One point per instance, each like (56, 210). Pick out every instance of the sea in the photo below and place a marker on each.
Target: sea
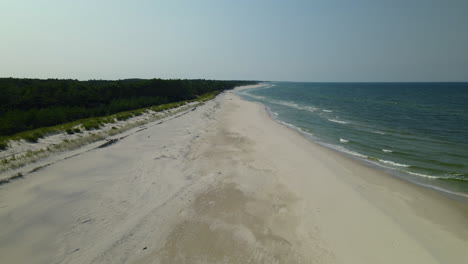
(415, 131)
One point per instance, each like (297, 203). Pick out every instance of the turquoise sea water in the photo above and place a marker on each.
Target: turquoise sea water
(417, 131)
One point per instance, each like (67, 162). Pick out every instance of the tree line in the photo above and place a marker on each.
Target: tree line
(27, 104)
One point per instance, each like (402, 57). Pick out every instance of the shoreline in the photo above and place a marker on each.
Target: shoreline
(454, 195)
(458, 196)
(379, 179)
(224, 183)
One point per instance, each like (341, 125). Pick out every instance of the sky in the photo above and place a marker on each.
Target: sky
(276, 40)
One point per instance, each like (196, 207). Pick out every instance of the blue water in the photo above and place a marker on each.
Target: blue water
(417, 131)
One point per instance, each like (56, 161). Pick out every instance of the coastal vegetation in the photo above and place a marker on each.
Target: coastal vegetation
(90, 130)
(32, 108)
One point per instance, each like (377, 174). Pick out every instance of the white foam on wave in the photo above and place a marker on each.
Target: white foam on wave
(328, 111)
(394, 163)
(285, 103)
(305, 132)
(387, 150)
(295, 128)
(281, 102)
(287, 124)
(344, 150)
(294, 105)
(343, 140)
(255, 96)
(367, 158)
(310, 108)
(424, 175)
(276, 114)
(378, 132)
(354, 153)
(337, 121)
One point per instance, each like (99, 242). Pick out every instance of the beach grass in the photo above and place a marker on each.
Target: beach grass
(79, 126)
(93, 123)
(3, 145)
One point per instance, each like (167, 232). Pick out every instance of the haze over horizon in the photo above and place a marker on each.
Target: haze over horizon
(323, 41)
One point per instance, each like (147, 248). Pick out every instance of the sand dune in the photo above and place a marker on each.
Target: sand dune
(224, 184)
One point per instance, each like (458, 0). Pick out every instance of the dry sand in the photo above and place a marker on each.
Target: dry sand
(224, 184)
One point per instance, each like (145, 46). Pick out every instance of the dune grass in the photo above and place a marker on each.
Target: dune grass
(93, 123)
(3, 145)
(79, 126)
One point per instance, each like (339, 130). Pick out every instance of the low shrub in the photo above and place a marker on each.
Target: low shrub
(33, 137)
(139, 112)
(91, 124)
(124, 116)
(107, 120)
(3, 145)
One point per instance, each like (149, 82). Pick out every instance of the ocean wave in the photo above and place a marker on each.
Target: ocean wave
(344, 150)
(420, 168)
(458, 179)
(453, 165)
(310, 108)
(378, 132)
(305, 132)
(258, 97)
(285, 103)
(328, 111)
(445, 178)
(354, 153)
(337, 121)
(343, 140)
(385, 163)
(425, 175)
(287, 124)
(387, 150)
(394, 163)
(281, 102)
(293, 105)
(295, 128)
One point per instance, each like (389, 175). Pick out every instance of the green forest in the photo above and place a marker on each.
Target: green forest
(27, 104)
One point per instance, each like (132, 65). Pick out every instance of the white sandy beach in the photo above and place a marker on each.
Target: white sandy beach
(224, 184)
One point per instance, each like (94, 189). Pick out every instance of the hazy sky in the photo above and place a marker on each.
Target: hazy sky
(374, 40)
